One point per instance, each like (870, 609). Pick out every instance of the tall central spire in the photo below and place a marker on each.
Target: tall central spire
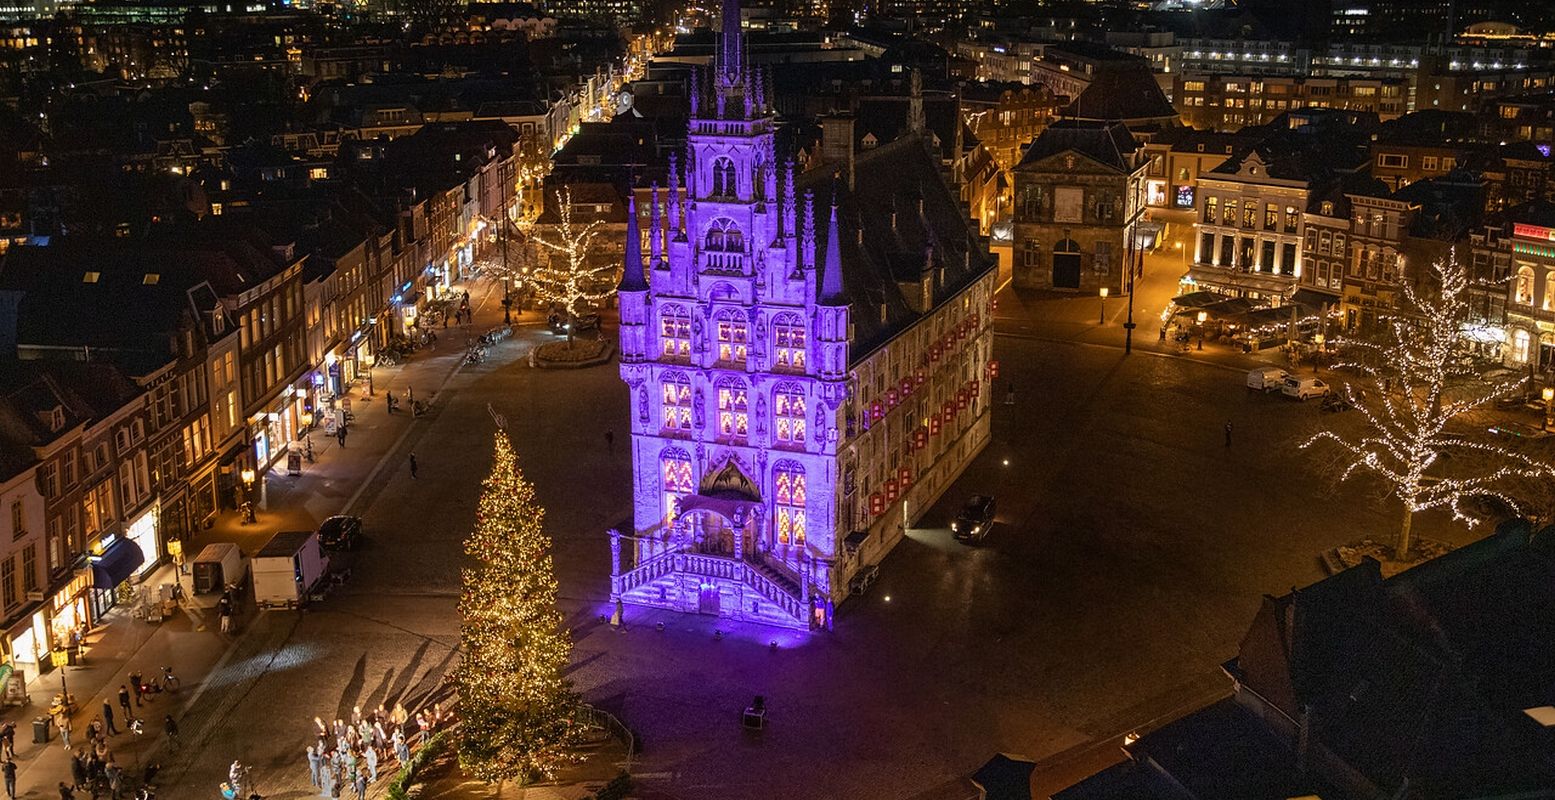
(731, 47)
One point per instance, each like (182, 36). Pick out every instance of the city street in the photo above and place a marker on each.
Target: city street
(1131, 550)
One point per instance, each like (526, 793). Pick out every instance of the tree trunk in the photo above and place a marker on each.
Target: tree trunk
(572, 322)
(1405, 543)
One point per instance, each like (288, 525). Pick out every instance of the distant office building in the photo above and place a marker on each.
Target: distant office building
(1231, 102)
(620, 12)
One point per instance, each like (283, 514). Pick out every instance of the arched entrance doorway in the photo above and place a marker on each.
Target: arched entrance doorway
(1066, 265)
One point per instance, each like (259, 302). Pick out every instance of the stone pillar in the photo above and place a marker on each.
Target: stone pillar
(739, 539)
(615, 562)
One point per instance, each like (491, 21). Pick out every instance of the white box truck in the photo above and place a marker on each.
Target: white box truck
(217, 566)
(287, 568)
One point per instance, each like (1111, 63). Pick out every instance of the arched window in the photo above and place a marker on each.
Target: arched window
(788, 332)
(675, 332)
(675, 480)
(733, 409)
(788, 481)
(1549, 291)
(1522, 346)
(788, 414)
(733, 339)
(1389, 265)
(1525, 285)
(723, 236)
(677, 402)
(724, 178)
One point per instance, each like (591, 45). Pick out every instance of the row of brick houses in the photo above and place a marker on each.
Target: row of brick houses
(120, 433)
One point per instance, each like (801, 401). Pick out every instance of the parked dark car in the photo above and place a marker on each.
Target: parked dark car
(340, 532)
(558, 323)
(975, 519)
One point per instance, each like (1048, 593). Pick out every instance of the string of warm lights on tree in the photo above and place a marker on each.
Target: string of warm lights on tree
(1421, 376)
(517, 709)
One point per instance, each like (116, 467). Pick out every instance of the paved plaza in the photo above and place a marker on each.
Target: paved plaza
(1131, 549)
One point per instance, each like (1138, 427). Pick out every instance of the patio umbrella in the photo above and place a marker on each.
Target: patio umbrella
(1005, 777)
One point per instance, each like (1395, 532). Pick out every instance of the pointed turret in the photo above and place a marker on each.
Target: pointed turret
(655, 232)
(731, 55)
(831, 267)
(632, 271)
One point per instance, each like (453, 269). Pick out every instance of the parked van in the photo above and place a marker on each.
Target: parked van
(1266, 379)
(288, 568)
(217, 565)
(1303, 388)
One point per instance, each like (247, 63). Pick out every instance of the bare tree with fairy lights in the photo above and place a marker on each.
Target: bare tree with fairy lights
(1420, 377)
(576, 284)
(517, 708)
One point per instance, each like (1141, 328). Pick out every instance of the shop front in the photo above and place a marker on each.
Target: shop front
(63, 619)
(119, 559)
(28, 643)
(272, 431)
(143, 530)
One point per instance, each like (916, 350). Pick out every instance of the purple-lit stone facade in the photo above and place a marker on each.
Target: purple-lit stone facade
(749, 476)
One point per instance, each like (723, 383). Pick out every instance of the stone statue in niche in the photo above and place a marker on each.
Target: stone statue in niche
(642, 404)
(696, 334)
(761, 415)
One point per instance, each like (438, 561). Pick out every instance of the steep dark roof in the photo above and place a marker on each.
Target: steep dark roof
(1422, 679)
(1108, 143)
(894, 177)
(1125, 91)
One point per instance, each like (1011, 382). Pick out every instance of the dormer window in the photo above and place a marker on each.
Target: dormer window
(1328, 208)
(91, 277)
(150, 279)
(53, 419)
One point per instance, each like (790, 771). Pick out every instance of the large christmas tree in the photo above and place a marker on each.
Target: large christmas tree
(516, 707)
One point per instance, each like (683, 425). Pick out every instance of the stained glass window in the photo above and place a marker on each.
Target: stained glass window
(790, 333)
(675, 332)
(675, 477)
(788, 412)
(733, 421)
(790, 496)
(677, 403)
(732, 341)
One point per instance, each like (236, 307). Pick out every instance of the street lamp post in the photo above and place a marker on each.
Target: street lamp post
(248, 494)
(1202, 317)
(368, 360)
(1103, 319)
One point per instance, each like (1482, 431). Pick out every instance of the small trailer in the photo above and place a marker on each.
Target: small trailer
(287, 569)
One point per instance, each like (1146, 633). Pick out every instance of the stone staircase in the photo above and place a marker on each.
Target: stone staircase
(656, 583)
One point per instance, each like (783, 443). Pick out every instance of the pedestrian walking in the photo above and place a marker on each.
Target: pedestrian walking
(113, 730)
(226, 622)
(171, 727)
(115, 776)
(136, 686)
(65, 793)
(1228, 434)
(389, 401)
(412, 465)
(340, 435)
(62, 721)
(327, 781)
(313, 767)
(9, 770)
(401, 750)
(372, 763)
(360, 784)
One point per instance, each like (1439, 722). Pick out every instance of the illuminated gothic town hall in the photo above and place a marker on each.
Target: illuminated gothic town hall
(808, 352)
